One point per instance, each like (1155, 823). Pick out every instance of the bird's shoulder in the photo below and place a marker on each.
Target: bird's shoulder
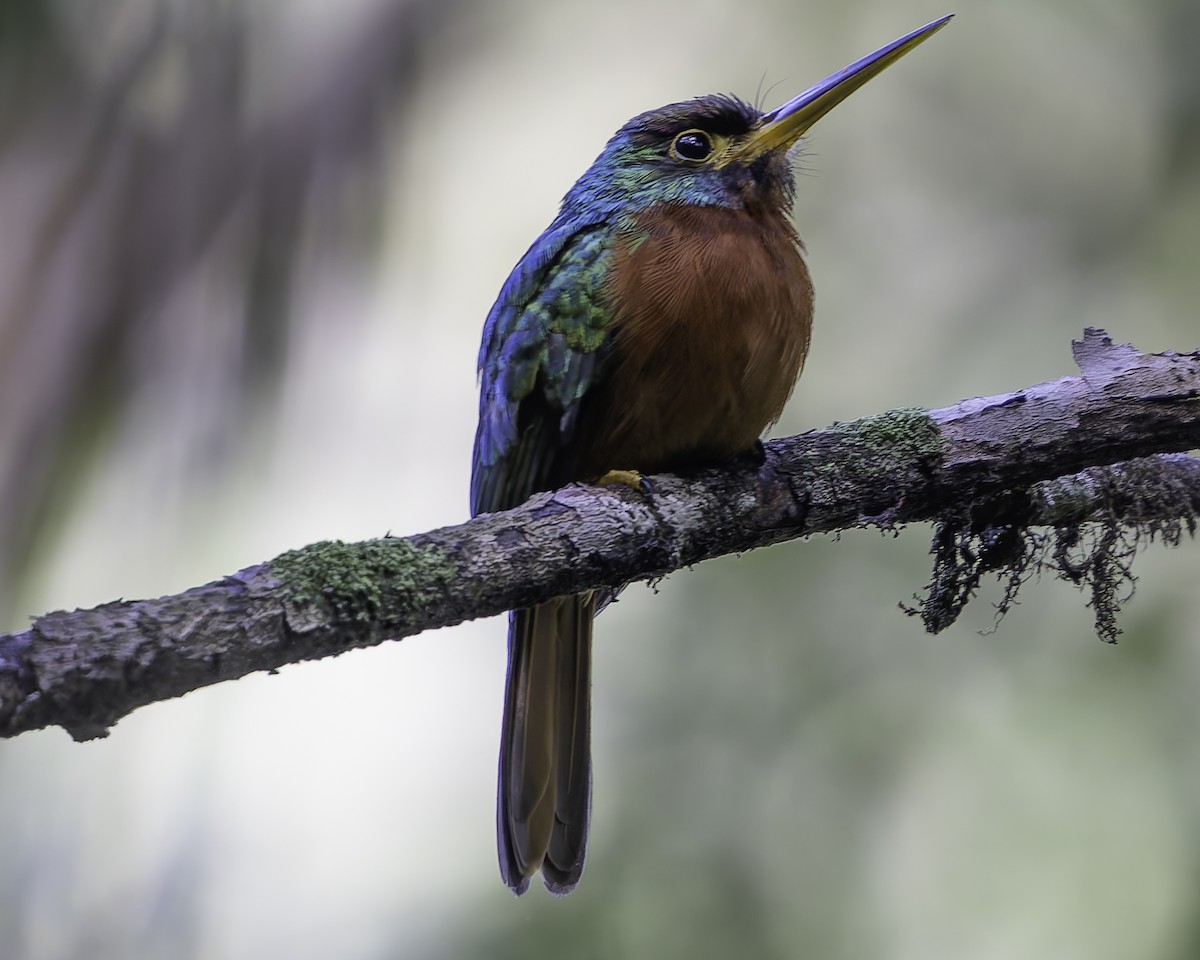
(557, 286)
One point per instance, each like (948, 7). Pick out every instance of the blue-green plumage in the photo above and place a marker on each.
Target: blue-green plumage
(540, 354)
(660, 321)
(544, 339)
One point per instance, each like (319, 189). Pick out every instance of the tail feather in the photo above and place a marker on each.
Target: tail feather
(544, 797)
(572, 809)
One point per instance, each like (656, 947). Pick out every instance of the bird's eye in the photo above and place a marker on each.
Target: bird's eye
(693, 145)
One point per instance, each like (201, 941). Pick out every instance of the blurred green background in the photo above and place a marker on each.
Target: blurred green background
(245, 252)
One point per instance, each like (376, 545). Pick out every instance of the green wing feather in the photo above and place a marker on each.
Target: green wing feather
(543, 350)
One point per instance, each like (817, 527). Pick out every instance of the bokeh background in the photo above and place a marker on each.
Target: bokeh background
(245, 252)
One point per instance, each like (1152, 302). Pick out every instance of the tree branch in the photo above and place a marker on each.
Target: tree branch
(986, 470)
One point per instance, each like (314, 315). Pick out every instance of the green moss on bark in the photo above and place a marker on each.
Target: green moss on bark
(360, 581)
(894, 438)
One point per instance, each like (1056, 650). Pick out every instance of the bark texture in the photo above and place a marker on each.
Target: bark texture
(1075, 453)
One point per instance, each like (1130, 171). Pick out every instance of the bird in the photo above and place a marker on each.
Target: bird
(658, 324)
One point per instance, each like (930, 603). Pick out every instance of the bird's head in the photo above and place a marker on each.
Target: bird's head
(719, 150)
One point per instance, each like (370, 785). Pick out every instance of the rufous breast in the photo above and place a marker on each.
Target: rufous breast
(712, 313)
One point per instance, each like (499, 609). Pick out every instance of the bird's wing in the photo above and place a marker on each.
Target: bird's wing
(543, 349)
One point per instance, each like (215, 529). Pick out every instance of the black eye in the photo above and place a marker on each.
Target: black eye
(692, 145)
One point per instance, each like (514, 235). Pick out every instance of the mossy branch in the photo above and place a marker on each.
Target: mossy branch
(1074, 454)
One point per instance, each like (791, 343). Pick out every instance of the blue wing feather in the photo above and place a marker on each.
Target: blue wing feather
(542, 351)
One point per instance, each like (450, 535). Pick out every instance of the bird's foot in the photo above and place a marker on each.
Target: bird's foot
(626, 478)
(756, 456)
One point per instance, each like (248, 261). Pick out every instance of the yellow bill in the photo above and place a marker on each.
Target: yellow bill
(785, 125)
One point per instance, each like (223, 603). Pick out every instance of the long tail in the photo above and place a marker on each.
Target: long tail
(545, 792)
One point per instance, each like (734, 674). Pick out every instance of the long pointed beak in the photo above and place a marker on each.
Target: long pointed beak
(785, 125)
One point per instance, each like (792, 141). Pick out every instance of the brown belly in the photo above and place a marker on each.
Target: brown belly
(712, 316)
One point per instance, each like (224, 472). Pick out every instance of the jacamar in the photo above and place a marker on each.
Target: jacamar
(659, 323)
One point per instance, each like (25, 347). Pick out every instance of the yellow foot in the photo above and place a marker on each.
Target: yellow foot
(627, 478)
